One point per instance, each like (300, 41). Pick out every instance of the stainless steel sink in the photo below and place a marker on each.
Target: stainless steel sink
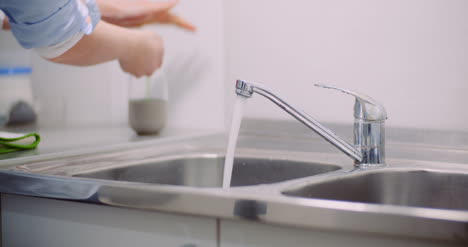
(422, 193)
(414, 188)
(206, 170)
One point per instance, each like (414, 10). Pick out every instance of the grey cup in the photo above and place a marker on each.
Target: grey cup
(147, 116)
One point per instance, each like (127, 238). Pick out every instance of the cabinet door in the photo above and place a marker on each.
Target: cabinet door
(250, 234)
(28, 221)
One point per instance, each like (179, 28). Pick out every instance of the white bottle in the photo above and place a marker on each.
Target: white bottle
(16, 97)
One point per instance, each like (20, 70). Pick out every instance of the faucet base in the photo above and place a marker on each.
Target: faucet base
(369, 166)
(369, 139)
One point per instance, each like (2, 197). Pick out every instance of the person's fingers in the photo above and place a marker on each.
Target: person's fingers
(135, 21)
(155, 7)
(180, 22)
(150, 12)
(169, 18)
(130, 24)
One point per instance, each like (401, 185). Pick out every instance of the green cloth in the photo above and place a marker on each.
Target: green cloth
(18, 142)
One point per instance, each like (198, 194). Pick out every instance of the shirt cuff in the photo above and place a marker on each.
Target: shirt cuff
(56, 50)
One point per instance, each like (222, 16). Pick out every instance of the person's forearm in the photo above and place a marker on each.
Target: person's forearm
(106, 43)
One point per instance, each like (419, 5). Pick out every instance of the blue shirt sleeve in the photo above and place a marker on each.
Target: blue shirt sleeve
(42, 23)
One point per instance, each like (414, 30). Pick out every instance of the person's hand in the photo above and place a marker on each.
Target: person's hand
(144, 55)
(135, 13)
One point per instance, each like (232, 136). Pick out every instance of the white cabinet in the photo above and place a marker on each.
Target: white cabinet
(251, 234)
(29, 221)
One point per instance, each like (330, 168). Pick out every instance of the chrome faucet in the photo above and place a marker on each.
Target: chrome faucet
(369, 124)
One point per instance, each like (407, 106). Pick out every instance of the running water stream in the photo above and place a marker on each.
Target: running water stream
(233, 134)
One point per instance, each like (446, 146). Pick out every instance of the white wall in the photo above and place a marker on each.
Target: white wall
(410, 55)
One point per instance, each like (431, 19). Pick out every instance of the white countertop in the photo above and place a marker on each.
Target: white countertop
(71, 140)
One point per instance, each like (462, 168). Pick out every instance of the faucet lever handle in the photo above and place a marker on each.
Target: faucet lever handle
(365, 107)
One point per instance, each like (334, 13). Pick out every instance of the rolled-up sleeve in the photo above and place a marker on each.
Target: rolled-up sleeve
(46, 23)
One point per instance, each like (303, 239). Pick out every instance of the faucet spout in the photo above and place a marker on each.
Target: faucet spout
(246, 89)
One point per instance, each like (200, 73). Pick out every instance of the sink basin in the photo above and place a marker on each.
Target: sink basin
(206, 170)
(416, 188)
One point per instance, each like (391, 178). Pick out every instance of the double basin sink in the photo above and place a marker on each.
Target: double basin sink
(404, 186)
(320, 189)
